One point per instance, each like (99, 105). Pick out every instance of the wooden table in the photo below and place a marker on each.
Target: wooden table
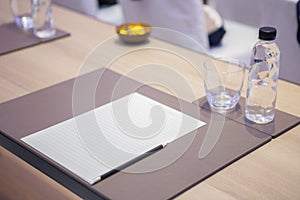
(271, 172)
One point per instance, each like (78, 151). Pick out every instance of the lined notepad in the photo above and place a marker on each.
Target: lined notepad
(94, 143)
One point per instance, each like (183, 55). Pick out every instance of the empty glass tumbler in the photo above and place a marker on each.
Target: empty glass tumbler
(223, 81)
(21, 10)
(43, 18)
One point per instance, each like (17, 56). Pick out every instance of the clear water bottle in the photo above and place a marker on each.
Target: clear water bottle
(263, 78)
(43, 18)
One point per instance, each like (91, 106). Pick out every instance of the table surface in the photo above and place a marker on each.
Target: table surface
(270, 172)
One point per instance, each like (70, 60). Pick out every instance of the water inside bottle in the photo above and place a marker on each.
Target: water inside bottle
(43, 19)
(262, 86)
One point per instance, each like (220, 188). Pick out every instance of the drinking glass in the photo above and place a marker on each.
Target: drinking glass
(43, 19)
(223, 81)
(21, 10)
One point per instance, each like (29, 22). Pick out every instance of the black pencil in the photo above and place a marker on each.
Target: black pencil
(127, 164)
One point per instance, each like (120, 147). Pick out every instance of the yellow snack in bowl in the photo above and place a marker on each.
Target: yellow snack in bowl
(123, 32)
(137, 30)
(133, 32)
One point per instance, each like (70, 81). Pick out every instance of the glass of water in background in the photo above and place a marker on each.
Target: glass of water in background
(21, 10)
(43, 19)
(223, 81)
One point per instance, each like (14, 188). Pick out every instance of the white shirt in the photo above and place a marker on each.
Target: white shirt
(185, 16)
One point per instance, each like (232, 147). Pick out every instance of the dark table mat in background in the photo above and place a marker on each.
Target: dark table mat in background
(282, 122)
(13, 38)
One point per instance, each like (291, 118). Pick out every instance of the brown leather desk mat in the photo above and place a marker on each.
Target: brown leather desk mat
(41, 109)
(282, 122)
(13, 38)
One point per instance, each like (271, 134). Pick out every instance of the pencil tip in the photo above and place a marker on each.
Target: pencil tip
(97, 179)
(164, 145)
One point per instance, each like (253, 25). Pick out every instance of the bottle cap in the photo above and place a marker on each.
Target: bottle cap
(267, 33)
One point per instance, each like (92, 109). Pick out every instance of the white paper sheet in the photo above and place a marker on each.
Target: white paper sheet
(95, 142)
